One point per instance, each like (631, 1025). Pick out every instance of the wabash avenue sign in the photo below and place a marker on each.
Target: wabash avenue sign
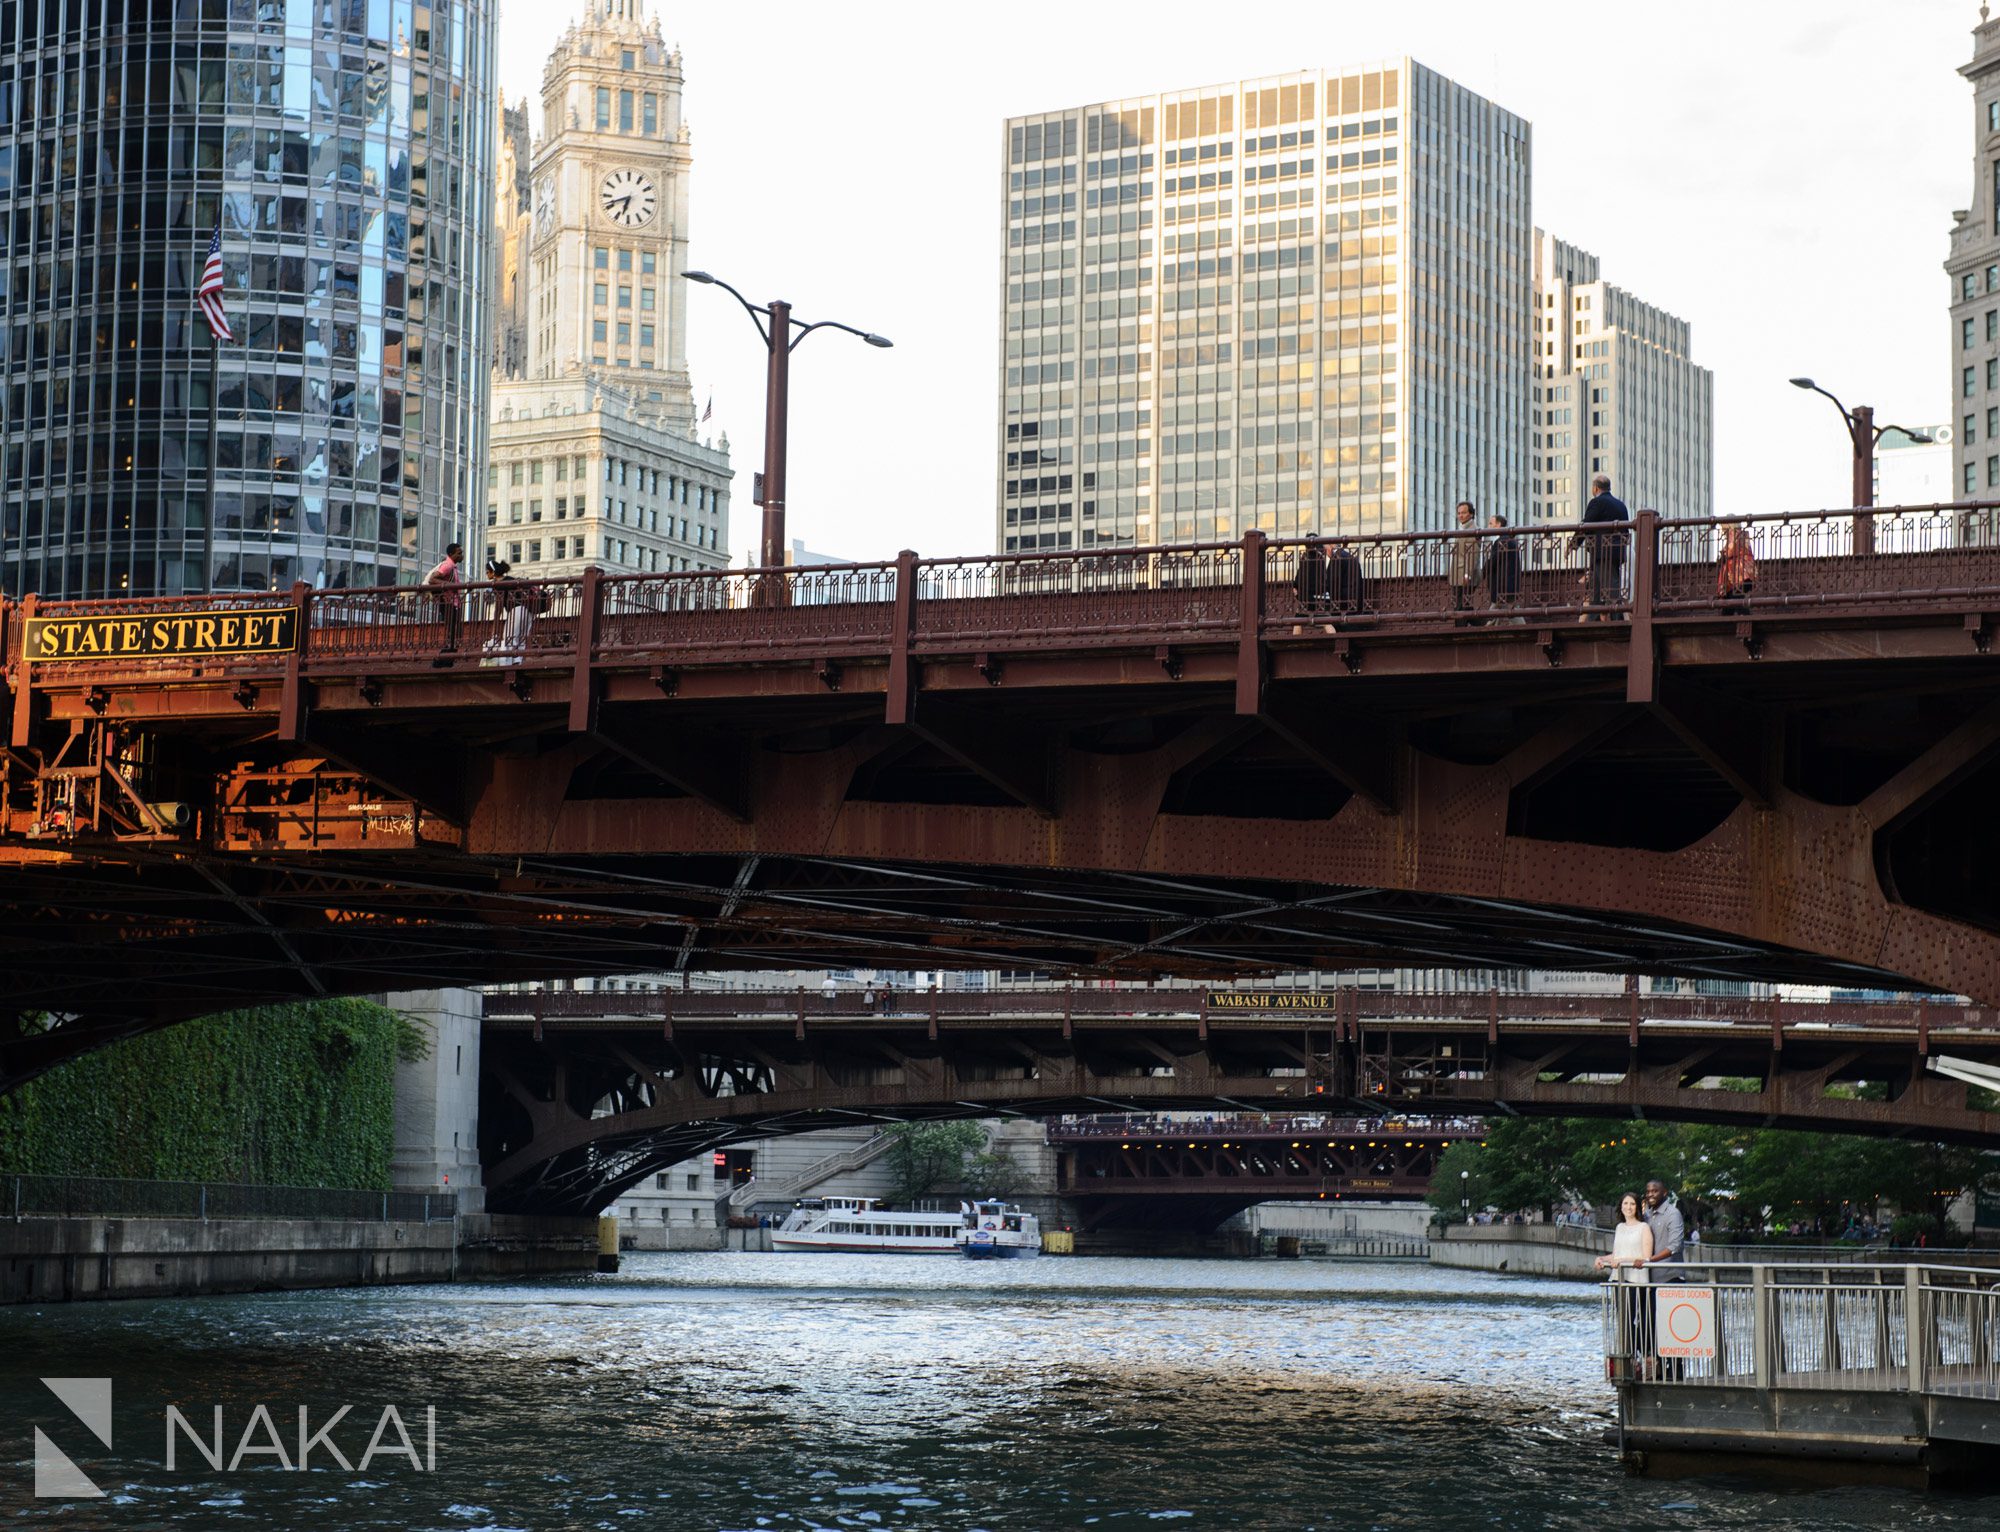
(164, 635)
(1280, 1000)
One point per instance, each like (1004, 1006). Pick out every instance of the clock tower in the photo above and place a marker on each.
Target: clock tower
(610, 210)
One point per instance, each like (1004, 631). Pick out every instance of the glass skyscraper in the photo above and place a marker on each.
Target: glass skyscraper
(1294, 303)
(345, 148)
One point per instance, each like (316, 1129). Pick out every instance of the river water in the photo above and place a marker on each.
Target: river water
(707, 1392)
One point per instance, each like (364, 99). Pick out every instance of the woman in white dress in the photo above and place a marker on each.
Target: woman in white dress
(1631, 1249)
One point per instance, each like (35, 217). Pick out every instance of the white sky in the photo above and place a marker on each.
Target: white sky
(1781, 173)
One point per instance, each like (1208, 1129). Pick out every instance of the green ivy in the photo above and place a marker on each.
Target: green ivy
(287, 1095)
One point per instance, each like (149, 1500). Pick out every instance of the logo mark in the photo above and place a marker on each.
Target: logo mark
(56, 1477)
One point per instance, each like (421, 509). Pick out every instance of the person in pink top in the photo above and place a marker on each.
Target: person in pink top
(445, 580)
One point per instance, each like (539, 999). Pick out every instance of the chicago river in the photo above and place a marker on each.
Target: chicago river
(725, 1391)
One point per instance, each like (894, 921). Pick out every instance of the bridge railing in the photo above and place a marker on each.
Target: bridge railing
(1888, 1328)
(1758, 563)
(32, 1196)
(1426, 581)
(1470, 576)
(1114, 1126)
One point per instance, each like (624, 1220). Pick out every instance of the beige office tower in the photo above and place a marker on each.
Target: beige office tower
(1294, 303)
(597, 454)
(1974, 270)
(1615, 392)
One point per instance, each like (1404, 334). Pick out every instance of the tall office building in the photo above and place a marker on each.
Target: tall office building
(344, 147)
(596, 452)
(1616, 392)
(1294, 303)
(513, 198)
(1974, 269)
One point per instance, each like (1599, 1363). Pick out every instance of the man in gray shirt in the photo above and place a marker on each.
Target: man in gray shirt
(1664, 1219)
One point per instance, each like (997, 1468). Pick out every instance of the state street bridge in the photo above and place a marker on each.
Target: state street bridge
(583, 1094)
(1118, 762)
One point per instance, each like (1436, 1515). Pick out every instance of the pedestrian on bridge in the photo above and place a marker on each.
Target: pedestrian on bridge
(1465, 560)
(1503, 565)
(445, 580)
(1605, 549)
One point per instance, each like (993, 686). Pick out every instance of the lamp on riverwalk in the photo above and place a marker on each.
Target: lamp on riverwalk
(1465, 1193)
(781, 334)
(1862, 434)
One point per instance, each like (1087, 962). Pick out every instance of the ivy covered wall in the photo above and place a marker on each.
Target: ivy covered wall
(287, 1095)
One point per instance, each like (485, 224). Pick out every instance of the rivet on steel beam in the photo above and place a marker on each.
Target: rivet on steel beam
(828, 672)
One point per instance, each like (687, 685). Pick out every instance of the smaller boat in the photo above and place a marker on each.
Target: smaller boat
(996, 1232)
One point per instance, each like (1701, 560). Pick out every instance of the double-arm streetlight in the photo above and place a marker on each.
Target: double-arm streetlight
(1862, 434)
(781, 335)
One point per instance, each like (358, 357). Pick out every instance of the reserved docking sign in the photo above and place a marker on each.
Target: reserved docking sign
(1271, 1000)
(164, 635)
(1684, 1321)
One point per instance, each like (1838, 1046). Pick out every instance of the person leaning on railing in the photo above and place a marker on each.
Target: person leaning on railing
(1631, 1250)
(1736, 565)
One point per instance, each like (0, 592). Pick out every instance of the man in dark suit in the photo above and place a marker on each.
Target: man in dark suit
(1606, 550)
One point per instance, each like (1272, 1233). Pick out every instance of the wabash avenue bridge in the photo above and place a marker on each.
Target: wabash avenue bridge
(584, 1094)
(1608, 755)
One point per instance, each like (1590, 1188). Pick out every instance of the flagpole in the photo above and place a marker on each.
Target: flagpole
(208, 514)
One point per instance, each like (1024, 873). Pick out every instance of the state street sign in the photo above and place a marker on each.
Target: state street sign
(164, 635)
(1684, 1321)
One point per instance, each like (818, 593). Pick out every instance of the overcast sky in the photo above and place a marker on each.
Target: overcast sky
(1781, 173)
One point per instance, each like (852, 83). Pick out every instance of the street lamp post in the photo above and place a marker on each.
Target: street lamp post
(781, 334)
(1465, 1193)
(1862, 434)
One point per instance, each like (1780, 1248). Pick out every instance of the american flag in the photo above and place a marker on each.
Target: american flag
(709, 411)
(208, 297)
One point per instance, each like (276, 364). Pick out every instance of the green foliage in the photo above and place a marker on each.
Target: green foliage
(995, 1174)
(926, 1155)
(288, 1095)
(1720, 1176)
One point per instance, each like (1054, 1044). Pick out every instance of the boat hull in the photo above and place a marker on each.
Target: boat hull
(860, 1246)
(992, 1252)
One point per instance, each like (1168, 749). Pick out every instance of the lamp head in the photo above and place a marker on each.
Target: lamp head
(698, 276)
(1796, 382)
(879, 340)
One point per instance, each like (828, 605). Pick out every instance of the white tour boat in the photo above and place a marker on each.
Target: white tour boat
(862, 1224)
(996, 1232)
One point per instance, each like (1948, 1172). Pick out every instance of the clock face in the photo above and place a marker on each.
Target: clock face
(628, 198)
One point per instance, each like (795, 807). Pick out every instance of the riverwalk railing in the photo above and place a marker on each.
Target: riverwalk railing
(31, 1196)
(1351, 1245)
(1906, 1329)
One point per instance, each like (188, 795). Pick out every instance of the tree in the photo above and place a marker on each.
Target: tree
(926, 1155)
(995, 1173)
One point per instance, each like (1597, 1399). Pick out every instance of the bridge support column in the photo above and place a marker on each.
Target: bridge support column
(437, 1098)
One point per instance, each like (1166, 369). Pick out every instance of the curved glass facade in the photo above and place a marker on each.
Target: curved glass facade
(346, 147)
